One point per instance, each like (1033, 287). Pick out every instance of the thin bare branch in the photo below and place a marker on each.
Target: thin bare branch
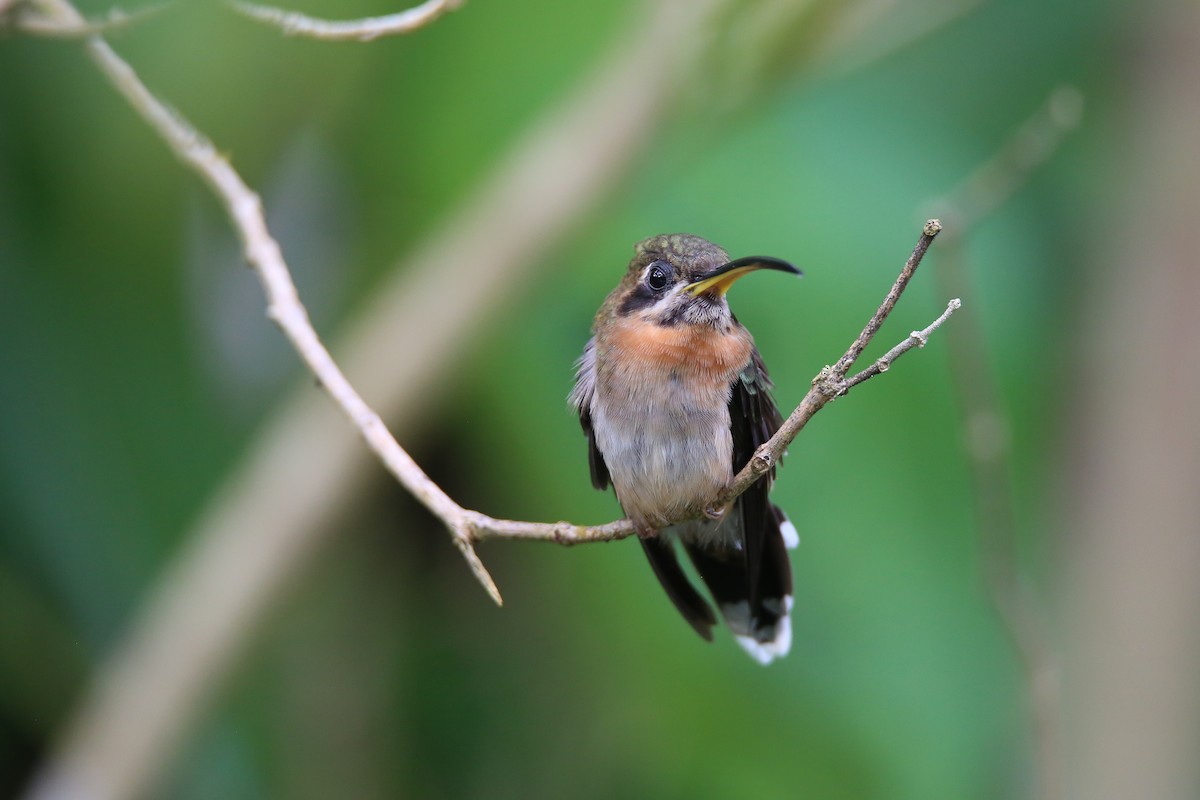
(915, 339)
(284, 308)
(839, 370)
(293, 23)
(831, 381)
(36, 18)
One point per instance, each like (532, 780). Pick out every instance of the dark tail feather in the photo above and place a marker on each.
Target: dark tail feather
(774, 590)
(724, 572)
(754, 596)
(698, 613)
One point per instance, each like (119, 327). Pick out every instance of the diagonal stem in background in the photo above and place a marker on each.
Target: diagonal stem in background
(277, 508)
(986, 426)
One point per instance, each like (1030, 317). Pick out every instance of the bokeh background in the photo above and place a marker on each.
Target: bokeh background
(139, 377)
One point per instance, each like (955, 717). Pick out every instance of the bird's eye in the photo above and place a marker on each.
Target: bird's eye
(656, 278)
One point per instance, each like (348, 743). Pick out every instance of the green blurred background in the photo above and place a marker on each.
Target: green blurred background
(136, 368)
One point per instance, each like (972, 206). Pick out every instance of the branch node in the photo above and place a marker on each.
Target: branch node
(469, 525)
(564, 533)
(829, 382)
(275, 314)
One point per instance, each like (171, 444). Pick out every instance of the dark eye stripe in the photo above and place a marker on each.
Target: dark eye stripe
(657, 278)
(640, 298)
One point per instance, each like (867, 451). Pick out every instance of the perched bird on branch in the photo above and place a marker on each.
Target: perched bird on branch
(674, 399)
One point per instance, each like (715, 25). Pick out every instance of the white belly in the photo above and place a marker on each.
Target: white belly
(659, 402)
(665, 458)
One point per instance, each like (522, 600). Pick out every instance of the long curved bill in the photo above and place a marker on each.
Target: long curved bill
(720, 279)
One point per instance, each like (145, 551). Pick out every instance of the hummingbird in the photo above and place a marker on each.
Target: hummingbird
(674, 399)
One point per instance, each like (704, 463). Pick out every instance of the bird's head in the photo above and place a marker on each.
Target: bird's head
(681, 279)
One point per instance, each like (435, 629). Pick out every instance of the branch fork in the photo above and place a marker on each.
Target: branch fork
(468, 527)
(831, 382)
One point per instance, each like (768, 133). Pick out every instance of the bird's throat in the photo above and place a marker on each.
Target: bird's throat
(689, 352)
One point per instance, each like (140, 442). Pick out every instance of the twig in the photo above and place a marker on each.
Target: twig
(831, 381)
(361, 30)
(986, 425)
(915, 339)
(932, 228)
(284, 308)
(36, 18)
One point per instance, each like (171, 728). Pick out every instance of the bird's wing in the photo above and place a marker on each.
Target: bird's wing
(753, 417)
(581, 399)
